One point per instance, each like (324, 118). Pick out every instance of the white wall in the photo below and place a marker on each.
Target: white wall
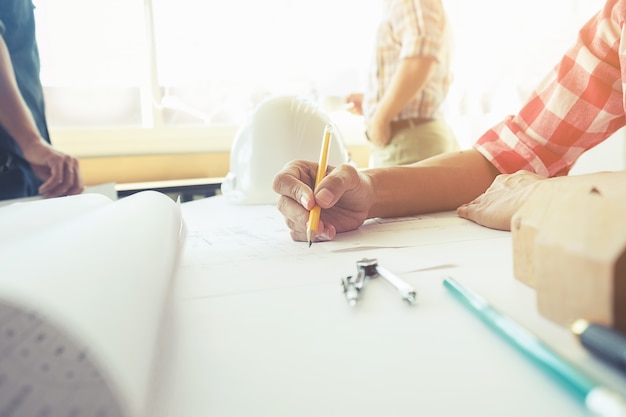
(610, 155)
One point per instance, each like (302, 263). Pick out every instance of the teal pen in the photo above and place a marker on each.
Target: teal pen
(597, 398)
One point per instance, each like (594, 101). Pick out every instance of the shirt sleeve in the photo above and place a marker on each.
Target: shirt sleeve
(577, 106)
(420, 26)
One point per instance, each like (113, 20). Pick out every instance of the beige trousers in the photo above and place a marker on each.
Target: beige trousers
(414, 143)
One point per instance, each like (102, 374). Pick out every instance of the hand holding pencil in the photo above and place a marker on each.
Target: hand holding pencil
(314, 214)
(346, 195)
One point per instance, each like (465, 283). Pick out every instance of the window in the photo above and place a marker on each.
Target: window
(176, 75)
(503, 50)
(93, 61)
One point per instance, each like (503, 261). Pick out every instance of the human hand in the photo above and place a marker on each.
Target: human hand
(496, 206)
(59, 172)
(345, 196)
(356, 103)
(378, 132)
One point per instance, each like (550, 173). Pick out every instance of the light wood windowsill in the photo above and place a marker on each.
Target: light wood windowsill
(142, 168)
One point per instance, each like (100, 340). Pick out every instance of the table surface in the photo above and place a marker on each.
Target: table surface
(260, 325)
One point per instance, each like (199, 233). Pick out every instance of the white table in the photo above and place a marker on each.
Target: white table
(261, 327)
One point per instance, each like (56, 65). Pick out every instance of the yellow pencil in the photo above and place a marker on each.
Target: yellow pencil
(314, 214)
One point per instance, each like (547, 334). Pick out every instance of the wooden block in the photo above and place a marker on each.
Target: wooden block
(525, 224)
(545, 203)
(579, 260)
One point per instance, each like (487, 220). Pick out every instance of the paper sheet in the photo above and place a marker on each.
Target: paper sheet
(265, 330)
(257, 235)
(106, 189)
(90, 284)
(430, 229)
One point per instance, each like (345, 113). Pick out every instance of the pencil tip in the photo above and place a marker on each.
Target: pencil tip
(310, 242)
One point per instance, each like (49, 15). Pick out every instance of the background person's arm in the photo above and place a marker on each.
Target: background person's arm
(15, 116)
(59, 172)
(410, 77)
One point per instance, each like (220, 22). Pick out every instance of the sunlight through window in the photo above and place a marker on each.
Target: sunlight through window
(206, 63)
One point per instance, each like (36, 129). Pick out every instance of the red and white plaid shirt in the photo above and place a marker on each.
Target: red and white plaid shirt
(578, 105)
(408, 29)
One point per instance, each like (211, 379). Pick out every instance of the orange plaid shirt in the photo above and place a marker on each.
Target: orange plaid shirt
(578, 105)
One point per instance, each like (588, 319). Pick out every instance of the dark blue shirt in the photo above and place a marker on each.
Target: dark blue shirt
(17, 28)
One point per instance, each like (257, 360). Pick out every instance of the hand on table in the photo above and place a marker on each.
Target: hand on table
(496, 206)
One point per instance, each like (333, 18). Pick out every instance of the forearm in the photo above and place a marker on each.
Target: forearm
(15, 116)
(440, 183)
(410, 77)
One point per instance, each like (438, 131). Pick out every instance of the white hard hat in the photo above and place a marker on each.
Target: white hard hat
(279, 130)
